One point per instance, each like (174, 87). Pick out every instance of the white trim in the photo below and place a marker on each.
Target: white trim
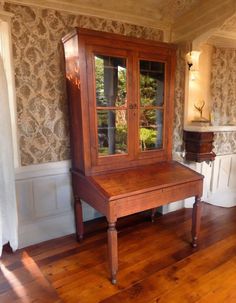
(210, 128)
(195, 22)
(6, 16)
(225, 34)
(7, 56)
(42, 170)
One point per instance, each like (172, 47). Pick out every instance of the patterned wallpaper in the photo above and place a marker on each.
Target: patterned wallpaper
(223, 85)
(40, 85)
(225, 143)
(179, 100)
(223, 90)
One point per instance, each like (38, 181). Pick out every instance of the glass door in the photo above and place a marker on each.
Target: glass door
(109, 79)
(111, 105)
(151, 105)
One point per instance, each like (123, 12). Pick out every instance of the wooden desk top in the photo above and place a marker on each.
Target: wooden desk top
(143, 179)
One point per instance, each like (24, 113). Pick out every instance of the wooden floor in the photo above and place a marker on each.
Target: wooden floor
(156, 263)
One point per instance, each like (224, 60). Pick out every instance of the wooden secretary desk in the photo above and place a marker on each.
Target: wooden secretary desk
(120, 94)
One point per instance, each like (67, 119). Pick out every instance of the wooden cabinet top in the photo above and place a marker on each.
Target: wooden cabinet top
(123, 41)
(120, 93)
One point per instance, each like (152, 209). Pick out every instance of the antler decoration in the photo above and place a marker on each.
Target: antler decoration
(200, 108)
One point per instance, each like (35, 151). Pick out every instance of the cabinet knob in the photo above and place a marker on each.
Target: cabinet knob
(133, 106)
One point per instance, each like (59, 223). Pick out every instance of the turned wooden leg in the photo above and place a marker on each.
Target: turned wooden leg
(112, 250)
(7, 248)
(153, 214)
(196, 220)
(78, 219)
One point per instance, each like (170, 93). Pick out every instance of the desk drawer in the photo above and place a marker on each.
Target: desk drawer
(136, 203)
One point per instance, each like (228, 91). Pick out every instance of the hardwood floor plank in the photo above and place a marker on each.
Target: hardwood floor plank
(156, 263)
(177, 275)
(26, 283)
(194, 289)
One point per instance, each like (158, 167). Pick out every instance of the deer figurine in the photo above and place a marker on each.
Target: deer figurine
(200, 109)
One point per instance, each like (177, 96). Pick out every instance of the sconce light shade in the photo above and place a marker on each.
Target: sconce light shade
(192, 59)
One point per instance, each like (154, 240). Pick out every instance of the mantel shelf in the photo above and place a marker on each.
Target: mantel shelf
(210, 128)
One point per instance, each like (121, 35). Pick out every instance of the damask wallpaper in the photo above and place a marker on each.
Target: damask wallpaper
(179, 100)
(223, 85)
(223, 91)
(40, 85)
(225, 143)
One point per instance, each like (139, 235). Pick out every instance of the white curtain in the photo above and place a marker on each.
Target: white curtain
(8, 206)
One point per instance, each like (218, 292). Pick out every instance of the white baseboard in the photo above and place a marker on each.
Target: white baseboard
(45, 229)
(172, 207)
(226, 198)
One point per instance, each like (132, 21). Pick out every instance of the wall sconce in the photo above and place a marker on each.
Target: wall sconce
(189, 60)
(192, 59)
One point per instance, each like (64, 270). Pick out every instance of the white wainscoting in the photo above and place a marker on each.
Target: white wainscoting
(45, 207)
(223, 182)
(219, 183)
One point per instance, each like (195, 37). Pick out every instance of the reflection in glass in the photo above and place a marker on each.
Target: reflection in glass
(152, 75)
(112, 132)
(110, 81)
(150, 131)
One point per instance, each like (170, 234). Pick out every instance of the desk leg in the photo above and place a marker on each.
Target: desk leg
(196, 220)
(112, 250)
(78, 219)
(153, 214)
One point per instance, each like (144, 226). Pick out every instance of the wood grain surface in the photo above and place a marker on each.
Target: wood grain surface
(157, 264)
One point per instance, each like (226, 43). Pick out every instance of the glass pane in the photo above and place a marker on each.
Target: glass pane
(110, 81)
(152, 76)
(112, 132)
(150, 131)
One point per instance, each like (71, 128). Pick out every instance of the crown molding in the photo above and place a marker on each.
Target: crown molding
(91, 10)
(5, 16)
(223, 41)
(226, 34)
(209, 14)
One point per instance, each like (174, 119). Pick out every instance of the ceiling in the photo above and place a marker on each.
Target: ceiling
(172, 9)
(166, 10)
(154, 13)
(181, 20)
(225, 36)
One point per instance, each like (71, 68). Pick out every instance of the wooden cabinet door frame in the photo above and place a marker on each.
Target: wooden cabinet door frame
(111, 160)
(161, 153)
(133, 50)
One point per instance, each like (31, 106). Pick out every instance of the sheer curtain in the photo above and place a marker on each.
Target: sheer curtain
(8, 206)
